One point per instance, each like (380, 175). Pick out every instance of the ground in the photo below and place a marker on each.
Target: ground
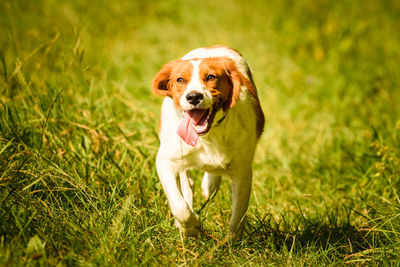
(78, 132)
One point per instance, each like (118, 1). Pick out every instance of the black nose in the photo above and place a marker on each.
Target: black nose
(194, 98)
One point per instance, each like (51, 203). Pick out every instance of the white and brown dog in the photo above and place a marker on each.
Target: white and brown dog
(210, 120)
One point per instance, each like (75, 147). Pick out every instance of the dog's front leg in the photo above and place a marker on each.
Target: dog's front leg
(186, 220)
(187, 187)
(241, 188)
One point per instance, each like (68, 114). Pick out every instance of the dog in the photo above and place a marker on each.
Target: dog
(211, 120)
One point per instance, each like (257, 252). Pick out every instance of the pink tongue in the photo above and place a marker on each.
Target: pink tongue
(186, 128)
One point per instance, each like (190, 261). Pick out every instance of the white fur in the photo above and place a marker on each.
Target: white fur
(227, 149)
(196, 86)
(219, 51)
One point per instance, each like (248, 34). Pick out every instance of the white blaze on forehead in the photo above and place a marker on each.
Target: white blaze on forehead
(210, 52)
(195, 83)
(200, 53)
(196, 86)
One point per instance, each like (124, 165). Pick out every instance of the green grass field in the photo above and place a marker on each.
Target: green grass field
(78, 132)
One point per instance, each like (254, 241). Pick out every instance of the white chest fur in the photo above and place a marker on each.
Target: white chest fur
(221, 151)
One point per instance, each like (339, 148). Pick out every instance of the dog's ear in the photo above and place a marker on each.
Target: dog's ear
(235, 81)
(160, 84)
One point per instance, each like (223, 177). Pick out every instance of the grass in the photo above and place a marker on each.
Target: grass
(78, 132)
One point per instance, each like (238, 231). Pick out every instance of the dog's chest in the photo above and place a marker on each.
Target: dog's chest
(210, 157)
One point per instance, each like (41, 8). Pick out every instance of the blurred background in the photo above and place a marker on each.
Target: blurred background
(78, 130)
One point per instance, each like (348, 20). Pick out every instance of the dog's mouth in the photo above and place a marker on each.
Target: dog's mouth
(196, 122)
(206, 116)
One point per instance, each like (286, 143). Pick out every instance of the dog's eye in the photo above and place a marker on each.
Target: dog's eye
(180, 80)
(210, 77)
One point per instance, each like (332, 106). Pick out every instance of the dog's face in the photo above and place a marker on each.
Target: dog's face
(200, 87)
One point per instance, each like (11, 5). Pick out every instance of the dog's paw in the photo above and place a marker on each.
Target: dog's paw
(190, 232)
(190, 228)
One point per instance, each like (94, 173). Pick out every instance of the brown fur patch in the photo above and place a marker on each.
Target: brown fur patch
(228, 85)
(165, 83)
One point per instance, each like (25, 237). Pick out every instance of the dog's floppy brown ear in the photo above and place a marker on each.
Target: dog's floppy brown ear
(160, 83)
(235, 81)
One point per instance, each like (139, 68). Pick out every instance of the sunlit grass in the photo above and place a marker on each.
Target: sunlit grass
(78, 132)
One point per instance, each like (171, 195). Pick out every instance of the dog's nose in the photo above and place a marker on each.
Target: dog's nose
(194, 98)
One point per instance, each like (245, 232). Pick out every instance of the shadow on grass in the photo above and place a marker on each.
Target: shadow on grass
(336, 241)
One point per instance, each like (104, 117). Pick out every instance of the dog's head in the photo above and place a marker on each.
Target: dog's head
(200, 88)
